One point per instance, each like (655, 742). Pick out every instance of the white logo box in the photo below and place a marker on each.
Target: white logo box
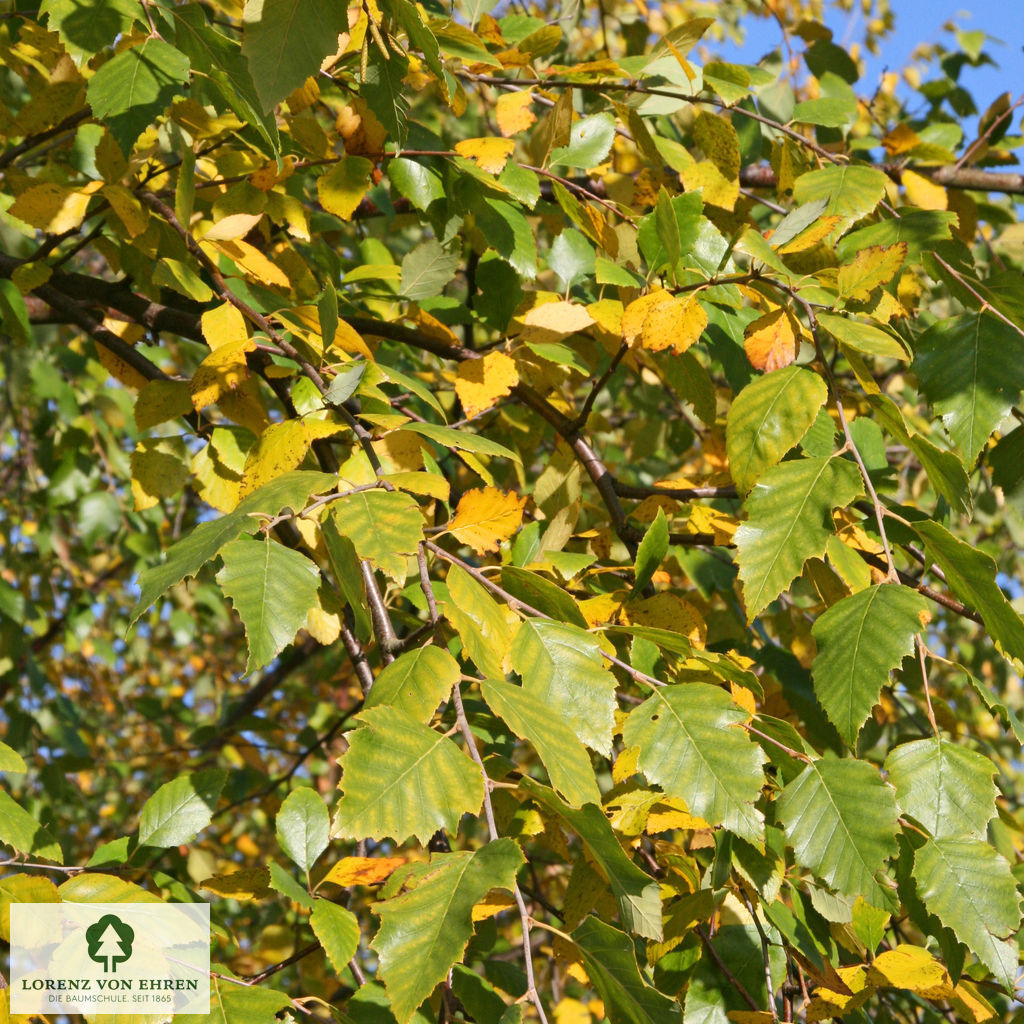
(110, 958)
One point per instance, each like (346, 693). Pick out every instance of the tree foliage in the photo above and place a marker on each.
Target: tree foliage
(515, 510)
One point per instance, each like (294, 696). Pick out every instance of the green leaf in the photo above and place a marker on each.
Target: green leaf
(18, 829)
(401, 778)
(610, 961)
(345, 567)
(303, 826)
(420, 184)
(384, 527)
(213, 54)
(133, 89)
(590, 141)
(789, 520)
(671, 232)
(542, 594)
(462, 440)
(283, 881)
(285, 41)
(692, 744)
(650, 552)
(88, 26)
(338, 932)
(971, 369)
(508, 233)
(862, 337)
(191, 553)
(861, 639)
(179, 810)
(971, 575)
(345, 381)
(944, 786)
(920, 229)
(767, 418)
(840, 818)
(562, 669)
(425, 931)
(235, 1003)
(852, 190)
(829, 111)
(564, 757)
(416, 682)
(11, 760)
(478, 619)
(971, 889)
(944, 469)
(636, 893)
(384, 92)
(272, 588)
(427, 269)
(571, 257)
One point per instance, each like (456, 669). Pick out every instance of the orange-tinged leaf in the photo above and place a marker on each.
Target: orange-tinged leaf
(871, 268)
(362, 870)
(223, 325)
(246, 884)
(913, 968)
(493, 903)
(479, 383)
(490, 154)
(487, 516)
(342, 188)
(676, 324)
(772, 341)
(513, 112)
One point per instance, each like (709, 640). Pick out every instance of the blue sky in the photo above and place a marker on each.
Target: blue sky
(922, 21)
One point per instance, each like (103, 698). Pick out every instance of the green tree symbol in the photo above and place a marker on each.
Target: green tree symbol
(110, 942)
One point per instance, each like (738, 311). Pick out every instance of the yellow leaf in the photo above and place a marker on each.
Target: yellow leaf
(487, 516)
(159, 470)
(901, 139)
(489, 154)
(114, 364)
(742, 697)
(676, 324)
(348, 339)
(221, 372)
(52, 207)
(607, 314)
(647, 510)
(362, 870)
(513, 112)
(553, 321)
(599, 610)
(217, 469)
(132, 214)
(249, 261)
(162, 400)
(707, 178)
(924, 193)
(493, 903)
(246, 884)
(750, 1016)
(235, 225)
(430, 484)
(267, 176)
(479, 383)
(323, 620)
(223, 325)
(971, 1004)
(810, 236)
(400, 451)
(571, 1011)
(280, 449)
(637, 311)
(625, 764)
(31, 275)
(342, 188)
(668, 611)
(721, 525)
(913, 968)
(672, 813)
(871, 268)
(772, 341)
(827, 1003)
(244, 405)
